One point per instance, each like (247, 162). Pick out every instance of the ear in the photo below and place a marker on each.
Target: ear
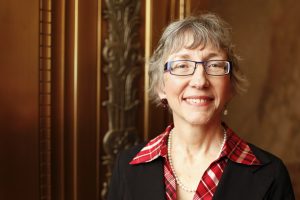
(161, 92)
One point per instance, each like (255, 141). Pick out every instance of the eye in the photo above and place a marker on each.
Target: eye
(215, 65)
(180, 65)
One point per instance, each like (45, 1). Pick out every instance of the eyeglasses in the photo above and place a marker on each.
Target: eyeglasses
(188, 67)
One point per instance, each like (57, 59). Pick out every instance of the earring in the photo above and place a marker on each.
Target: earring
(164, 103)
(225, 112)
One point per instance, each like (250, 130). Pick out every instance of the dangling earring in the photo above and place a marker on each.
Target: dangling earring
(164, 103)
(225, 112)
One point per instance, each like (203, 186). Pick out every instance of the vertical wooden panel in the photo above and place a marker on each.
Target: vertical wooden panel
(19, 108)
(70, 101)
(45, 122)
(87, 104)
(162, 13)
(76, 106)
(58, 99)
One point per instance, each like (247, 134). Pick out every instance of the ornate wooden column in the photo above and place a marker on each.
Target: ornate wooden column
(123, 72)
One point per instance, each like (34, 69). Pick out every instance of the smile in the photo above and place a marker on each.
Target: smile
(198, 101)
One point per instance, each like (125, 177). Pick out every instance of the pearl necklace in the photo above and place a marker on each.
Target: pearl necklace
(178, 181)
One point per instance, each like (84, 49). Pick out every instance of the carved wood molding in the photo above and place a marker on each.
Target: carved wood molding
(122, 56)
(45, 99)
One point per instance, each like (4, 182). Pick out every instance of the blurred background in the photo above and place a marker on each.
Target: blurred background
(73, 85)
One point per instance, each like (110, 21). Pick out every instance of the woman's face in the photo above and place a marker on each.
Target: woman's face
(197, 99)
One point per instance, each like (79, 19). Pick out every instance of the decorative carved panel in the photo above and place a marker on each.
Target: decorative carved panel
(122, 56)
(45, 99)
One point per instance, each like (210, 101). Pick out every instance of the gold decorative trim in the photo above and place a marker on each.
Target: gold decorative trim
(98, 102)
(148, 42)
(122, 56)
(184, 8)
(75, 103)
(188, 8)
(45, 98)
(181, 9)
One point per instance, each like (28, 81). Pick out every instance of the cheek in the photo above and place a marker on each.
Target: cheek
(170, 89)
(173, 86)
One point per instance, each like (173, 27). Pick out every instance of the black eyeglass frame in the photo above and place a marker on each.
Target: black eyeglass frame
(167, 67)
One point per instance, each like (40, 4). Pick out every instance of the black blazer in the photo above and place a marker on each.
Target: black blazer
(239, 182)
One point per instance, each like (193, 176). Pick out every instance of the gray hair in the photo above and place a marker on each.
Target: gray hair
(205, 29)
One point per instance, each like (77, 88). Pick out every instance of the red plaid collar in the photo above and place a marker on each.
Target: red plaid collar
(155, 148)
(235, 149)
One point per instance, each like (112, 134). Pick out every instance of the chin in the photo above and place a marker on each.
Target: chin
(202, 119)
(198, 121)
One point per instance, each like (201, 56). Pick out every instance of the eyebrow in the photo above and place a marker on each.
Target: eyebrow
(182, 56)
(187, 56)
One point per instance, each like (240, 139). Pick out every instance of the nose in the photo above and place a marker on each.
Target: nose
(199, 78)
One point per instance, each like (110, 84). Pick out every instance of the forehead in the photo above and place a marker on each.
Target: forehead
(190, 39)
(199, 53)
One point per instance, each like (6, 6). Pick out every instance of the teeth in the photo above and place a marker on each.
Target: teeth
(196, 100)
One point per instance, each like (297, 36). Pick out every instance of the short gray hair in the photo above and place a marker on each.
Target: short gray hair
(205, 28)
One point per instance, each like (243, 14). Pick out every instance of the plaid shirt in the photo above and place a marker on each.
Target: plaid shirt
(234, 149)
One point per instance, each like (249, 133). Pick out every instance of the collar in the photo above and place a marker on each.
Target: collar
(153, 149)
(235, 149)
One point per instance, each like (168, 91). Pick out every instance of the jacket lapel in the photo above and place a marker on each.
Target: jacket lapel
(239, 181)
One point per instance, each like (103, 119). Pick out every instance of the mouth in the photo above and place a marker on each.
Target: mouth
(199, 101)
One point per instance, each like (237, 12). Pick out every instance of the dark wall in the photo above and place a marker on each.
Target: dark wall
(266, 34)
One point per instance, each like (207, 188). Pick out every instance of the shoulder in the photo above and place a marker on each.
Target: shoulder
(121, 163)
(274, 168)
(125, 156)
(264, 156)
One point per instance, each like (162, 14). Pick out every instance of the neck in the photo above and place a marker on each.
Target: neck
(191, 159)
(198, 139)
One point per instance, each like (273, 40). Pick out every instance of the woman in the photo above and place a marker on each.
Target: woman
(195, 73)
